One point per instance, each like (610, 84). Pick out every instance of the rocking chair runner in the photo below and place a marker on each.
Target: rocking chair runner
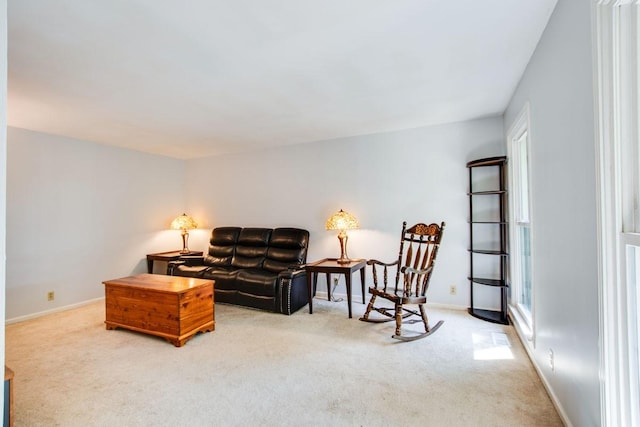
(418, 249)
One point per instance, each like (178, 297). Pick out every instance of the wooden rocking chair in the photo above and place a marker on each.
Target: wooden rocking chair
(418, 249)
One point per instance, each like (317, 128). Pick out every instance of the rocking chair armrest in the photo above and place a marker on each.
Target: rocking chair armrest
(411, 270)
(386, 264)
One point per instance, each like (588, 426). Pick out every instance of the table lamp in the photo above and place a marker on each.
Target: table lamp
(184, 223)
(342, 221)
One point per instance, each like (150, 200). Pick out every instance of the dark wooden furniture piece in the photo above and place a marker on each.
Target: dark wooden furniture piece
(329, 266)
(488, 256)
(8, 397)
(166, 257)
(174, 308)
(418, 251)
(253, 266)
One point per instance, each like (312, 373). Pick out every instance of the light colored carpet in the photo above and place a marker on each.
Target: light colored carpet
(268, 369)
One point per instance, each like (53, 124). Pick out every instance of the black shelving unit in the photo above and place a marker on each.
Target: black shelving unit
(496, 228)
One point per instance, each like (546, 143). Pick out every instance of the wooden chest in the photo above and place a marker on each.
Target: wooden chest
(174, 308)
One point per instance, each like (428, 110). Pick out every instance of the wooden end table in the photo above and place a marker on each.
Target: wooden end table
(174, 308)
(331, 265)
(167, 256)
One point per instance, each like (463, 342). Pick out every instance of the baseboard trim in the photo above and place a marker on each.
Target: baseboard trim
(525, 339)
(54, 310)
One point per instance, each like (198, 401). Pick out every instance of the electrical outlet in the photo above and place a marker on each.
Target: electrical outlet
(453, 290)
(552, 364)
(50, 296)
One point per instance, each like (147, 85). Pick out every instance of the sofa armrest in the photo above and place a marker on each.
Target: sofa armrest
(172, 265)
(291, 274)
(187, 261)
(292, 290)
(191, 260)
(292, 271)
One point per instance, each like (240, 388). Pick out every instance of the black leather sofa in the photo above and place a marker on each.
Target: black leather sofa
(255, 267)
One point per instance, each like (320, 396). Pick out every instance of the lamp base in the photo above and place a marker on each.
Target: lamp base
(185, 242)
(344, 259)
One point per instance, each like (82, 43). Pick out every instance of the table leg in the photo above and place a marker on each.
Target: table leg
(348, 280)
(149, 266)
(309, 280)
(362, 273)
(328, 286)
(315, 283)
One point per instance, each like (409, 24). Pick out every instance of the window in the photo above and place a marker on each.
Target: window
(617, 55)
(518, 146)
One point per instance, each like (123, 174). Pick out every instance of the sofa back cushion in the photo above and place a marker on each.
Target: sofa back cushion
(288, 247)
(222, 246)
(251, 248)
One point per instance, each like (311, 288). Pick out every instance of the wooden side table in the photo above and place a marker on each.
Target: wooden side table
(167, 256)
(331, 265)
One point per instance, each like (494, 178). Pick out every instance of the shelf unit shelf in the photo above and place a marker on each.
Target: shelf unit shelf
(488, 282)
(486, 193)
(488, 315)
(487, 222)
(499, 235)
(488, 252)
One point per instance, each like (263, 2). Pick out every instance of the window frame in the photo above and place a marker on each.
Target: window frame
(520, 126)
(616, 28)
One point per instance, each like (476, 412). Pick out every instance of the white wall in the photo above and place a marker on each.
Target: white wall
(3, 160)
(558, 85)
(415, 175)
(79, 213)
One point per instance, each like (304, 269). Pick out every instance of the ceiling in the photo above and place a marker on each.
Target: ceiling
(207, 77)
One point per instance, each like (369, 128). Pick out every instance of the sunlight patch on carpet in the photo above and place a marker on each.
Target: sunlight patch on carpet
(491, 346)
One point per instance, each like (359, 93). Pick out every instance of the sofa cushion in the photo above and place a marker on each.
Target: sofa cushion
(221, 246)
(251, 248)
(225, 277)
(285, 237)
(288, 247)
(190, 271)
(256, 282)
